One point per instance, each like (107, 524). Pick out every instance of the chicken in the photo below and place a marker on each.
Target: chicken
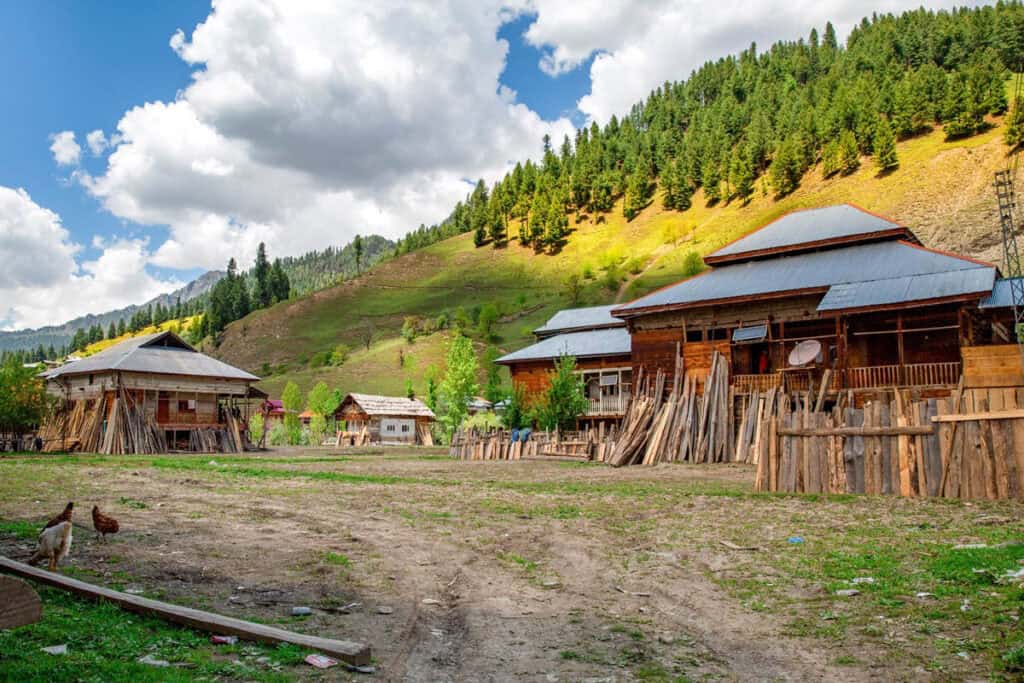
(62, 517)
(54, 545)
(102, 523)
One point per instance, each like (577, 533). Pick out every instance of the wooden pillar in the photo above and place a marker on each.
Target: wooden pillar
(899, 347)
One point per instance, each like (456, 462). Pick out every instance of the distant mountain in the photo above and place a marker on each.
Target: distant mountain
(58, 335)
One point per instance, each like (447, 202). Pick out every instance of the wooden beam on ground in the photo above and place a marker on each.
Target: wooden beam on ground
(354, 653)
(986, 415)
(19, 603)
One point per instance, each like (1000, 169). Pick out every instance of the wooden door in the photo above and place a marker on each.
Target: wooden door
(163, 408)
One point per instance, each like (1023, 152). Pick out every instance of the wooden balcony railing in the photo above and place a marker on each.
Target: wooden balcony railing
(872, 376)
(931, 374)
(745, 384)
(608, 405)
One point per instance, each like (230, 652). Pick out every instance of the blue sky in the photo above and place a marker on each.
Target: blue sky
(81, 65)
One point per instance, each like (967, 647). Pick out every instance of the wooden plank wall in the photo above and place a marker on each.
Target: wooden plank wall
(697, 356)
(992, 366)
(533, 375)
(656, 349)
(916, 449)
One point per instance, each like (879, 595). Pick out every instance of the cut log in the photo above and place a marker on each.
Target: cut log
(19, 603)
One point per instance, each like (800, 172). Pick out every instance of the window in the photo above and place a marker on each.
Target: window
(390, 428)
(694, 336)
(188, 406)
(91, 378)
(405, 429)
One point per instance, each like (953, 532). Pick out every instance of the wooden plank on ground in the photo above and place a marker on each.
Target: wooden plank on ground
(348, 651)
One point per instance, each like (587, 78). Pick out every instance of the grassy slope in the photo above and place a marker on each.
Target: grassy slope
(942, 190)
(177, 325)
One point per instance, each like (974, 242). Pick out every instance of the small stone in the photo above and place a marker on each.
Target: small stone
(666, 639)
(847, 592)
(361, 669)
(134, 591)
(55, 650)
(263, 660)
(431, 601)
(384, 609)
(153, 661)
(551, 583)
(923, 595)
(862, 579)
(301, 611)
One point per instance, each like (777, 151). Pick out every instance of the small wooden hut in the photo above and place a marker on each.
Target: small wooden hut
(387, 419)
(149, 394)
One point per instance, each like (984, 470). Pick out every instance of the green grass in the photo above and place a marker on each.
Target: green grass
(337, 559)
(104, 644)
(21, 529)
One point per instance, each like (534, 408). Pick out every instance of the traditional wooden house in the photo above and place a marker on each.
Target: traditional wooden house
(148, 394)
(869, 302)
(599, 342)
(386, 419)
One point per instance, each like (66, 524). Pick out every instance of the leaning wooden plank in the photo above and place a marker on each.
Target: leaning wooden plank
(353, 653)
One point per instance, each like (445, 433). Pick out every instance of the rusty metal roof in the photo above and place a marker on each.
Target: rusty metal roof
(160, 353)
(589, 344)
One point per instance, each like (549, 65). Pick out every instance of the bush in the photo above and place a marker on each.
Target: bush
(587, 271)
(256, 428)
(692, 264)
(278, 435)
(482, 422)
(320, 359)
(339, 355)
(317, 429)
(635, 265)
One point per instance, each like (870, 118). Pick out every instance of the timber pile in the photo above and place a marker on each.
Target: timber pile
(498, 445)
(130, 429)
(970, 445)
(752, 430)
(78, 426)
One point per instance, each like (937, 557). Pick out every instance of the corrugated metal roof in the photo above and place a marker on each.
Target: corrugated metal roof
(580, 319)
(810, 270)
(908, 288)
(1001, 296)
(842, 221)
(390, 405)
(146, 354)
(609, 342)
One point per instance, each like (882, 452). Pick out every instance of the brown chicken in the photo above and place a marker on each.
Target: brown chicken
(102, 523)
(62, 517)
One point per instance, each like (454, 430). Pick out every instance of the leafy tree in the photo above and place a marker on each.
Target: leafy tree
(23, 398)
(459, 385)
(431, 398)
(515, 414)
(493, 391)
(574, 288)
(256, 427)
(564, 400)
(885, 146)
(291, 398)
(321, 400)
(485, 322)
(339, 355)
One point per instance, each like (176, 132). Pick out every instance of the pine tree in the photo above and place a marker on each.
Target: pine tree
(741, 174)
(849, 153)
(121, 330)
(357, 248)
(1014, 133)
(830, 159)
(261, 274)
(638, 191)
(112, 330)
(885, 146)
(711, 179)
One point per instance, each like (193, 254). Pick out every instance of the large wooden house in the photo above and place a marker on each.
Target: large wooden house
(884, 310)
(599, 342)
(147, 391)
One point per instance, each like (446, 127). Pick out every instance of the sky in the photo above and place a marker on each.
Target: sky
(148, 142)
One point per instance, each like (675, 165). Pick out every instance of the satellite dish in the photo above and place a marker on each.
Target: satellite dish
(804, 352)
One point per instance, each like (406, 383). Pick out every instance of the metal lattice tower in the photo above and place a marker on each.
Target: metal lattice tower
(1007, 206)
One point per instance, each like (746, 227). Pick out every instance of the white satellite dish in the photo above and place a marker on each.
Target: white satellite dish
(804, 353)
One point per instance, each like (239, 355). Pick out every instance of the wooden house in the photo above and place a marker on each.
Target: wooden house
(601, 345)
(386, 419)
(883, 309)
(149, 391)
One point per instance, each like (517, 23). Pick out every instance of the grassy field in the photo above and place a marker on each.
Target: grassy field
(671, 573)
(942, 190)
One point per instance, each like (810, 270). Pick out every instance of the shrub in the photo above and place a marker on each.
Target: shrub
(692, 264)
(278, 435)
(482, 422)
(339, 355)
(317, 429)
(256, 428)
(320, 359)
(635, 265)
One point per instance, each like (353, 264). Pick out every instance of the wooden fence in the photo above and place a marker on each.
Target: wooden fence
(970, 445)
(588, 444)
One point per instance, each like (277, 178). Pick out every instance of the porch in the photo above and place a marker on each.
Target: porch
(944, 374)
(607, 391)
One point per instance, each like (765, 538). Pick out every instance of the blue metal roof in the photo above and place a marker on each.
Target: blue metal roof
(580, 319)
(908, 288)
(809, 270)
(608, 342)
(1001, 296)
(811, 225)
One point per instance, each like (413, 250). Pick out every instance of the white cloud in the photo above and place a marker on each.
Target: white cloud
(639, 46)
(65, 149)
(42, 281)
(97, 141)
(310, 122)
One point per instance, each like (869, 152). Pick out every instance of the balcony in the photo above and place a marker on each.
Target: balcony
(608, 405)
(871, 377)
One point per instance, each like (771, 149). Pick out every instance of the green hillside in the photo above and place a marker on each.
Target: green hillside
(942, 190)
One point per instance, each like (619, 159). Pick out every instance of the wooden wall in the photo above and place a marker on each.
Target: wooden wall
(656, 349)
(697, 356)
(533, 375)
(992, 366)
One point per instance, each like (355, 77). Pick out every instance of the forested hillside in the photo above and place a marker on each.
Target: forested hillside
(318, 269)
(756, 122)
(908, 118)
